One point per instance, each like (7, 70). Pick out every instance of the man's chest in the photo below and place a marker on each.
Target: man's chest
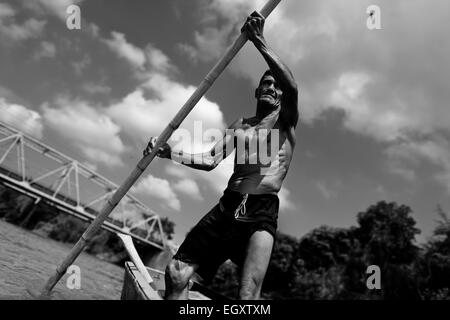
(258, 144)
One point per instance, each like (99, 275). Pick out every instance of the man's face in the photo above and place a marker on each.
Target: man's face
(269, 91)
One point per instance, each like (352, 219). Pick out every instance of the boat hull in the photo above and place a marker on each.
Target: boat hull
(136, 288)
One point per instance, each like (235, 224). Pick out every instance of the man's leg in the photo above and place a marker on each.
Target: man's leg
(255, 265)
(177, 278)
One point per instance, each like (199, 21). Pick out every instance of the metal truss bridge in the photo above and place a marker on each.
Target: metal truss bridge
(43, 173)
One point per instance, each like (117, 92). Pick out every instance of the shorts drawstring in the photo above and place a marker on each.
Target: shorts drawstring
(241, 209)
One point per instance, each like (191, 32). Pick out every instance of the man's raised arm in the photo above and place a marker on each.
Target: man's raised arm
(202, 161)
(254, 28)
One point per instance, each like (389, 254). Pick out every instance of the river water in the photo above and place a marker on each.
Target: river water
(28, 259)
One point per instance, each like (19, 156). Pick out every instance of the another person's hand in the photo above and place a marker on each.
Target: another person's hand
(254, 26)
(163, 152)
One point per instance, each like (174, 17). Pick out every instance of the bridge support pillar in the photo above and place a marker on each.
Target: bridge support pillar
(21, 205)
(25, 222)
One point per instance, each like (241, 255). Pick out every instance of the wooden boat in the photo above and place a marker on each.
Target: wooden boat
(135, 287)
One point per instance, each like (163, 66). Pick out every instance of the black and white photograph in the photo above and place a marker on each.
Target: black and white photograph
(261, 150)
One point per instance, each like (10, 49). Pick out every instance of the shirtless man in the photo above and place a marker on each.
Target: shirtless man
(242, 226)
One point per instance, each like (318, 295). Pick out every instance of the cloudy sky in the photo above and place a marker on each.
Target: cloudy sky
(374, 104)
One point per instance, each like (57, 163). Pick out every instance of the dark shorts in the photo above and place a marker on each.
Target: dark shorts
(223, 233)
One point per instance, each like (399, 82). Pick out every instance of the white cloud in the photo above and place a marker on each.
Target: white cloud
(90, 165)
(145, 117)
(81, 65)
(21, 118)
(350, 95)
(178, 170)
(209, 44)
(143, 61)
(232, 10)
(31, 28)
(158, 188)
(188, 187)
(6, 11)
(326, 189)
(96, 88)
(381, 190)
(326, 193)
(147, 110)
(46, 50)
(398, 167)
(8, 94)
(131, 53)
(285, 201)
(93, 30)
(407, 156)
(213, 38)
(13, 31)
(54, 7)
(157, 60)
(88, 129)
(401, 160)
(127, 213)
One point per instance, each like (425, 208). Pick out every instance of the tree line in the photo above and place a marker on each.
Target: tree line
(331, 263)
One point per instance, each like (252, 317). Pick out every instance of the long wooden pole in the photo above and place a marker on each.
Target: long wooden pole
(146, 160)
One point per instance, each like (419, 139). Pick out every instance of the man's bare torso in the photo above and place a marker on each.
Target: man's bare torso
(254, 177)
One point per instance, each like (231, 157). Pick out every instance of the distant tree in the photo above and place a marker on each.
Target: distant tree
(326, 246)
(387, 235)
(440, 241)
(388, 232)
(318, 284)
(168, 227)
(226, 280)
(66, 228)
(282, 267)
(8, 204)
(328, 263)
(434, 266)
